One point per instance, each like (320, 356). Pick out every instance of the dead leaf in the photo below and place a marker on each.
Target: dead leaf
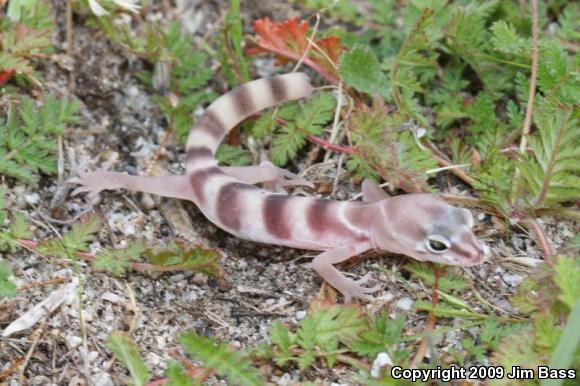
(288, 41)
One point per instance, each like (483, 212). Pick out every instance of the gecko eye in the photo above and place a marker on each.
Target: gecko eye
(437, 244)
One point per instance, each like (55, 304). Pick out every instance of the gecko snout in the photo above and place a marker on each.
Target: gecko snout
(469, 252)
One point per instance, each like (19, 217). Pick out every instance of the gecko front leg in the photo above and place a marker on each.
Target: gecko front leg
(167, 186)
(323, 265)
(272, 177)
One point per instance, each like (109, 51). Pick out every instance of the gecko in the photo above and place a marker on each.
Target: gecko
(420, 225)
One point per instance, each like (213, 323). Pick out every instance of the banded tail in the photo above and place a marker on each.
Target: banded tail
(232, 108)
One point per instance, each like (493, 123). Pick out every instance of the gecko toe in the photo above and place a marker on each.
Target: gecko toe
(371, 290)
(79, 190)
(363, 279)
(284, 178)
(352, 289)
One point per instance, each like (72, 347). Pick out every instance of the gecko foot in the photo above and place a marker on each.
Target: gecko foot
(353, 289)
(93, 182)
(283, 178)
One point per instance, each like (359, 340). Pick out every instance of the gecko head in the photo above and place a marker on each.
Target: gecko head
(428, 229)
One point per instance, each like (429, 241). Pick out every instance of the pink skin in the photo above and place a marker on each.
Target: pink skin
(405, 225)
(417, 225)
(401, 224)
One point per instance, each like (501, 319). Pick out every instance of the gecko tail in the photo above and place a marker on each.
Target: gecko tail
(230, 109)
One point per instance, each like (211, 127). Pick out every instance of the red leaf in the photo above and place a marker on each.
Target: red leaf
(5, 76)
(288, 40)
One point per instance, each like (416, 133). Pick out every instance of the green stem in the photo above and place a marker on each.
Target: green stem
(14, 152)
(504, 61)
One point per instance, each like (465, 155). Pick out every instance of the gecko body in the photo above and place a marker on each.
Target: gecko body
(418, 225)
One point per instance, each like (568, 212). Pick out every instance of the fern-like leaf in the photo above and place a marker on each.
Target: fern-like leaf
(127, 352)
(177, 255)
(176, 375)
(552, 174)
(27, 137)
(360, 69)
(19, 229)
(382, 151)
(118, 261)
(567, 278)
(291, 137)
(233, 156)
(221, 359)
(7, 287)
(74, 241)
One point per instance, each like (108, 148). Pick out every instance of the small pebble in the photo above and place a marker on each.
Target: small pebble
(242, 264)
(111, 297)
(387, 297)
(32, 198)
(161, 342)
(74, 341)
(381, 360)
(200, 279)
(512, 279)
(177, 278)
(103, 379)
(148, 201)
(404, 304)
(92, 356)
(451, 336)
(284, 380)
(39, 380)
(154, 359)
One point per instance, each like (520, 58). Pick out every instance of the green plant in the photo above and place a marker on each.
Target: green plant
(127, 352)
(117, 261)
(179, 77)
(231, 56)
(541, 340)
(217, 357)
(458, 62)
(73, 242)
(489, 340)
(291, 124)
(187, 79)
(24, 37)
(382, 149)
(551, 170)
(136, 255)
(383, 334)
(318, 336)
(228, 155)
(27, 137)
(220, 358)
(9, 236)
(360, 68)
(175, 256)
(7, 287)
(178, 256)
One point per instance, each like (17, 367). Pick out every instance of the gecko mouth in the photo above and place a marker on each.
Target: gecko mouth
(477, 258)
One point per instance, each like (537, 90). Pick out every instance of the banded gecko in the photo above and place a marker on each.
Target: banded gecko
(417, 225)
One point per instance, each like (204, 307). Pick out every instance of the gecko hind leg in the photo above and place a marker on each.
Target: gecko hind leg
(167, 186)
(271, 176)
